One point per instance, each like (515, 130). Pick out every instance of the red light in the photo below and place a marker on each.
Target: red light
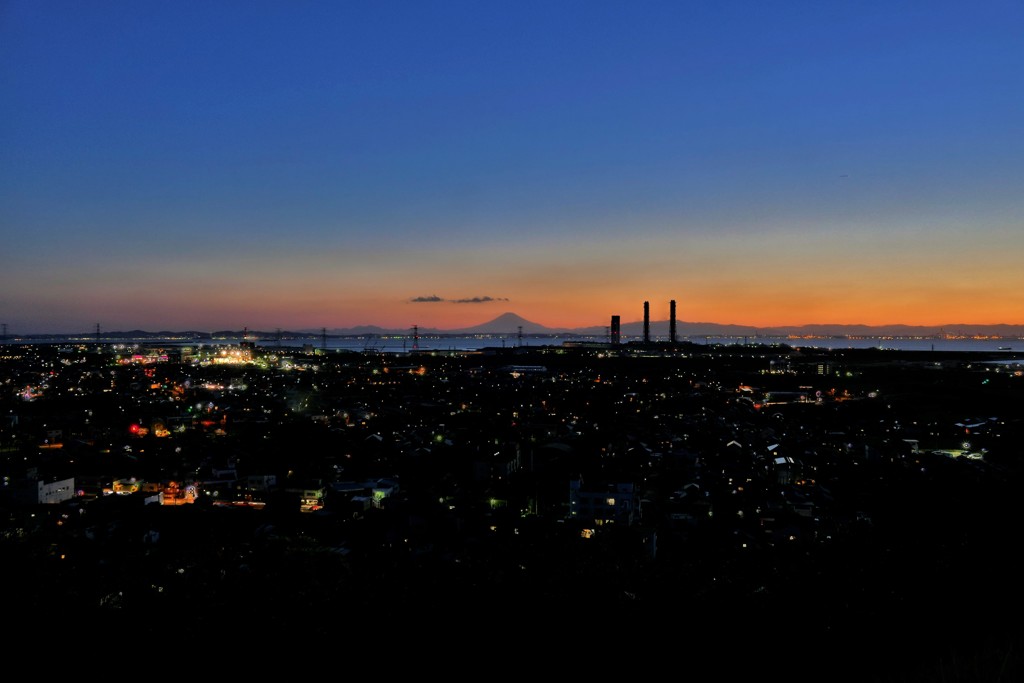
(134, 429)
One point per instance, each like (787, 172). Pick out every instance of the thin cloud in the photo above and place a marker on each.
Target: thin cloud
(433, 299)
(478, 300)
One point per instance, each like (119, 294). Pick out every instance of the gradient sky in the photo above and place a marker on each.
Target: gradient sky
(296, 164)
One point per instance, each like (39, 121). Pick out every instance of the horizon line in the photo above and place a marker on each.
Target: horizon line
(591, 329)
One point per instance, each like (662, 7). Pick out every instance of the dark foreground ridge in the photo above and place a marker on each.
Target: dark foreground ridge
(847, 515)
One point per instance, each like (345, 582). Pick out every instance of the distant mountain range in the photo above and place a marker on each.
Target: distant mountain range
(513, 324)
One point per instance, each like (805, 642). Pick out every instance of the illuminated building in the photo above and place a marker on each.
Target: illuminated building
(602, 503)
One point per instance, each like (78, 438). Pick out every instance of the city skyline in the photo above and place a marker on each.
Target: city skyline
(209, 166)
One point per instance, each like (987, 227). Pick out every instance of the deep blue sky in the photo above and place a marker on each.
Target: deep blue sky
(212, 165)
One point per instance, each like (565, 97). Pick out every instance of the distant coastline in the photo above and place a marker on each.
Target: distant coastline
(996, 347)
(512, 324)
(683, 331)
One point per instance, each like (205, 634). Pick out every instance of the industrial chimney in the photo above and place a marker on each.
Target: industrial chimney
(672, 321)
(647, 322)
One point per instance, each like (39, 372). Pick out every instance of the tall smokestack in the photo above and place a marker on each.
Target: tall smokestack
(672, 321)
(647, 322)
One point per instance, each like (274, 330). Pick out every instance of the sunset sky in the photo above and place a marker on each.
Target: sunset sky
(299, 164)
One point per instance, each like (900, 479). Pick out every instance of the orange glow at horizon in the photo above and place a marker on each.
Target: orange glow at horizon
(758, 282)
